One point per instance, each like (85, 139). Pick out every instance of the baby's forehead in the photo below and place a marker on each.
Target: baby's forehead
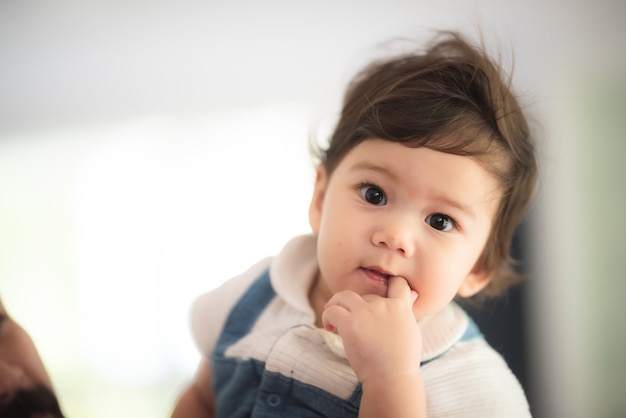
(430, 168)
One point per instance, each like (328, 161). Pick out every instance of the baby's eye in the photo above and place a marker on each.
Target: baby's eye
(440, 222)
(372, 194)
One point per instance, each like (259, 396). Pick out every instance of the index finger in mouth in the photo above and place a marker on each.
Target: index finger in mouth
(398, 287)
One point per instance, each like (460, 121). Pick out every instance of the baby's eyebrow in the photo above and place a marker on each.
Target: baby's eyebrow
(369, 166)
(465, 208)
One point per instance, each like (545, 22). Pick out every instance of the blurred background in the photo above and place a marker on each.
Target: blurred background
(150, 150)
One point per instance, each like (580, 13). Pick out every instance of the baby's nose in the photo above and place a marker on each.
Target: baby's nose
(396, 235)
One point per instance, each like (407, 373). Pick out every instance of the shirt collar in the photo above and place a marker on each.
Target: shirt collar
(293, 271)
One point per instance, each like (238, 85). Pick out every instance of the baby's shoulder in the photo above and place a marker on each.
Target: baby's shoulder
(473, 379)
(210, 310)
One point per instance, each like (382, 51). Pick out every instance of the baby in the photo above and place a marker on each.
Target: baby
(416, 199)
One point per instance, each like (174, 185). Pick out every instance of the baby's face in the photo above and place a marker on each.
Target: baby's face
(390, 210)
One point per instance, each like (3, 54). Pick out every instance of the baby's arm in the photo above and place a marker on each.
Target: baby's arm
(383, 344)
(197, 400)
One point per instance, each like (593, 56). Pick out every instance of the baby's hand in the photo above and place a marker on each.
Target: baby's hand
(380, 335)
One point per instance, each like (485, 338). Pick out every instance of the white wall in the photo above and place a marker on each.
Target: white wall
(151, 149)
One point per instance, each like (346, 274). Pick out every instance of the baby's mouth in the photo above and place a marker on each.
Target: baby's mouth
(376, 273)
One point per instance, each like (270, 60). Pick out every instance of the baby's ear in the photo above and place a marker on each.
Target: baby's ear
(317, 201)
(475, 281)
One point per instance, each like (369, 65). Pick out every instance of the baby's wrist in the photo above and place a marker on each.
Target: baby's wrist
(399, 389)
(388, 380)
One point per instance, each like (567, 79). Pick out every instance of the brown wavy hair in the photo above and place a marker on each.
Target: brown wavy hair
(453, 98)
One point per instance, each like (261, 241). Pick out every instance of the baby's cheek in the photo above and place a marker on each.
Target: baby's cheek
(430, 300)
